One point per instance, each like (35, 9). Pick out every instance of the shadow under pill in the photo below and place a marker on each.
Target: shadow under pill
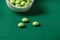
(22, 27)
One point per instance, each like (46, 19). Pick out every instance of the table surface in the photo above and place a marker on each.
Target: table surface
(47, 12)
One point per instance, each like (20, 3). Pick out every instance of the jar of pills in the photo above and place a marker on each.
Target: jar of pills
(19, 5)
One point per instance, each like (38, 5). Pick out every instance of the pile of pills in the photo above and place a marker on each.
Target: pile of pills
(20, 3)
(25, 20)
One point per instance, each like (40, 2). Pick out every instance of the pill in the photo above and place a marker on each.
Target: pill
(36, 23)
(12, 1)
(30, 1)
(26, 3)
(17, 2)
(25, 20)
(22, 3)
(21, 25)
(18, 5)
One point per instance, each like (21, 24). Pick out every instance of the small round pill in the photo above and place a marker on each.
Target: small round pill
(22, 3)
(12, 1)
(30, 1)
(26, 3)
(35, 23)
(18, 5)
(21, 25)
(17, 2)
(25, 20)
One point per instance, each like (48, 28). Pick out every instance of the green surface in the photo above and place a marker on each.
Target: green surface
(49, 18)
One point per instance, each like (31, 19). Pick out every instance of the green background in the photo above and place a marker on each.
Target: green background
(47, 12)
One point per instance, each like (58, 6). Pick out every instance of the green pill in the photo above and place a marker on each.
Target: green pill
(17, 2)
(36, 23)
(12, 1)
(21, 25)
(26, 3)
(22, 3)
(30, 1)
(18, 5)
(25, 20)
(20, 0)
